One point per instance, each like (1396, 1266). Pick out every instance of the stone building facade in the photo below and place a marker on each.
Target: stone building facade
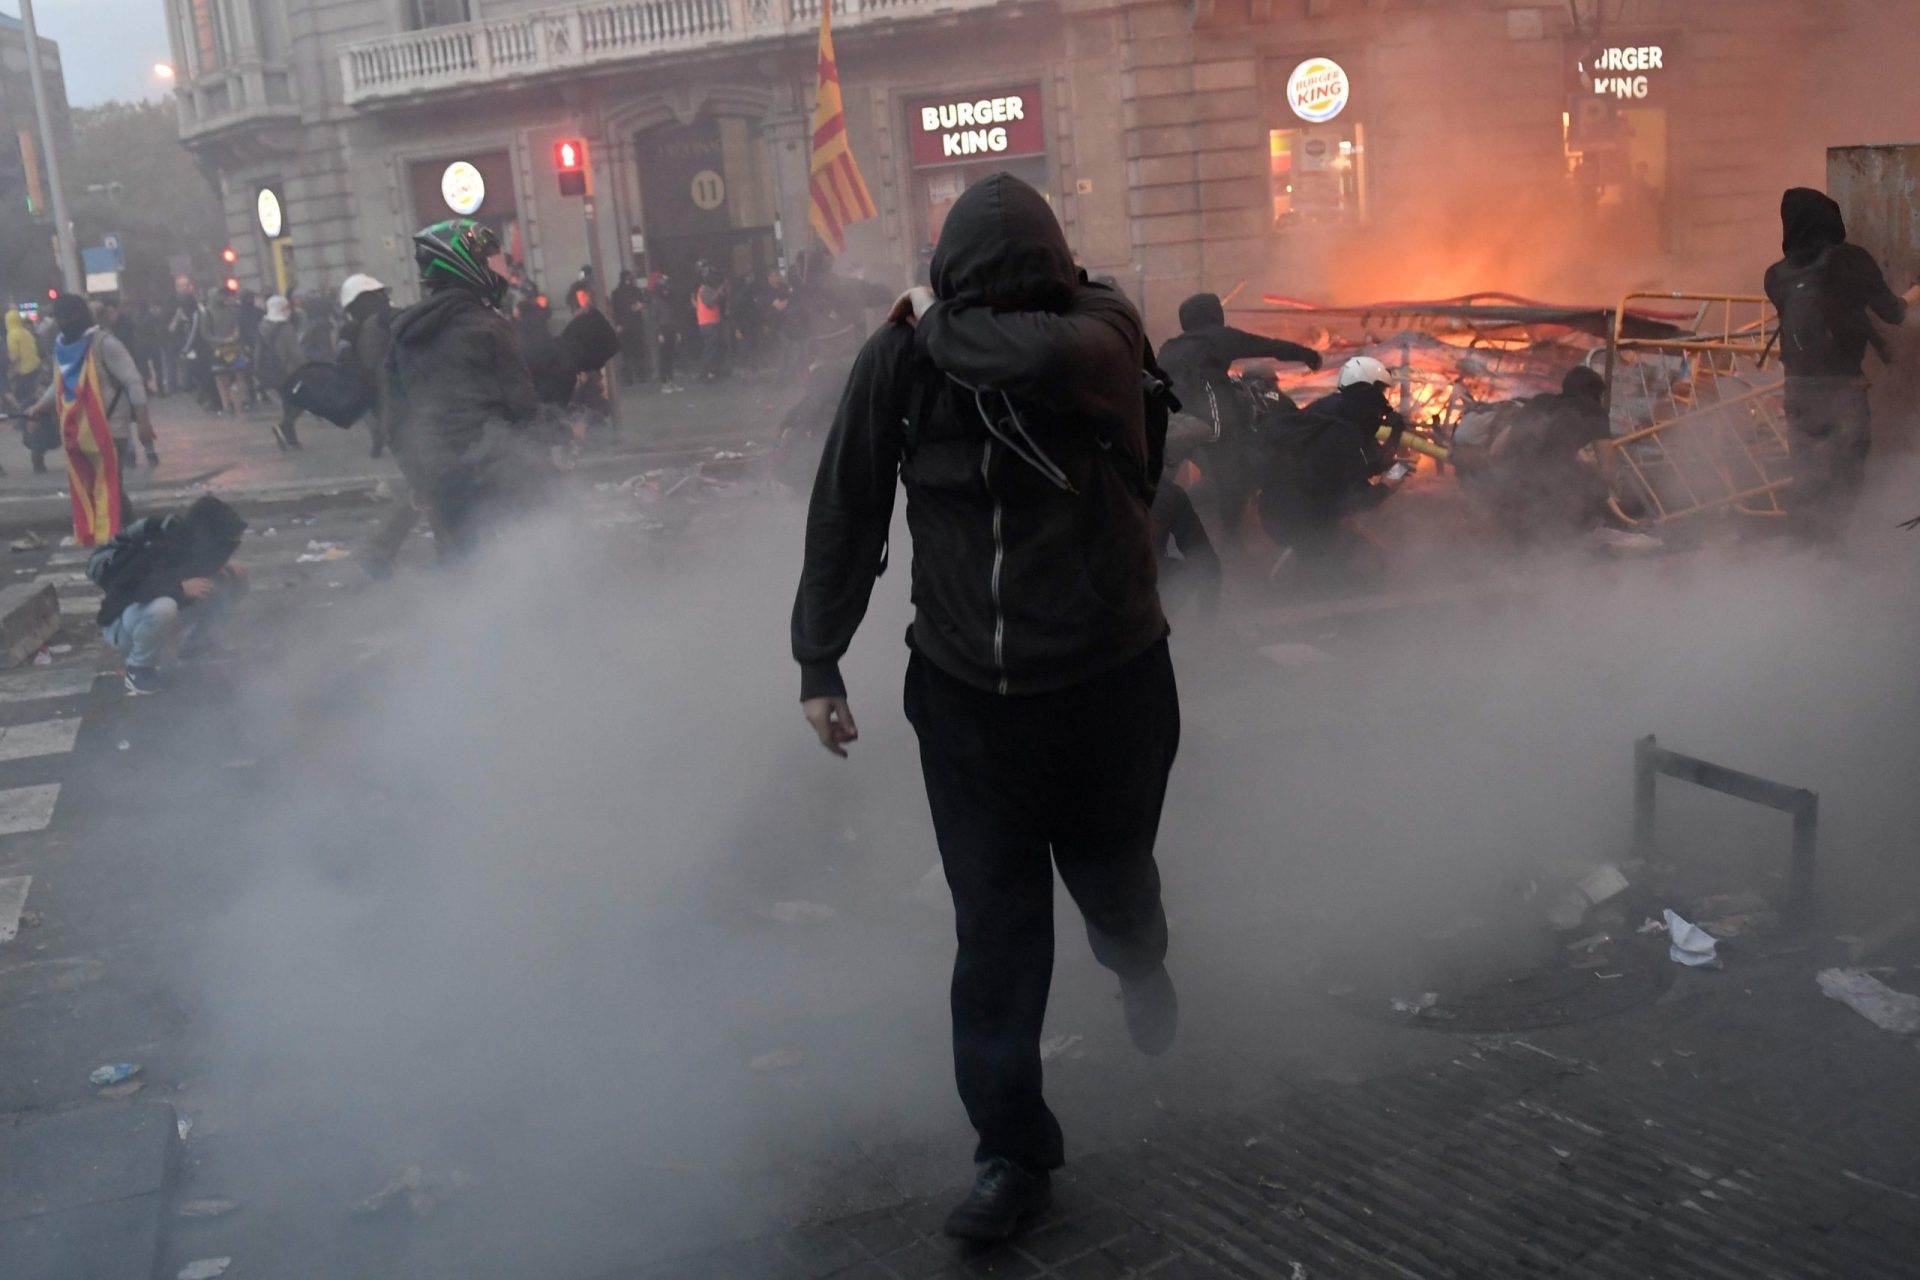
(1329, 149)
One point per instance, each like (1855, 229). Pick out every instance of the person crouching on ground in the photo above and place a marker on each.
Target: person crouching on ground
(167, 578)
(1040, 683)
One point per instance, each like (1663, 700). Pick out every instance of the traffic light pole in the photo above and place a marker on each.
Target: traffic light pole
(62, 229)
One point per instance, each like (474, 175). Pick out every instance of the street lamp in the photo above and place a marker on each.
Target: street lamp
(163, 70)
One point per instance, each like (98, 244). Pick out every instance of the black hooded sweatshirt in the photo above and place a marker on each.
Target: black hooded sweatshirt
(1814, 240)
(455, 366)
(1014, 417)
(1198, 359)
(152, 558)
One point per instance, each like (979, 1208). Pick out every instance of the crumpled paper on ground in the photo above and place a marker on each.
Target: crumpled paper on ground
(1692, 945)
(1872, 999)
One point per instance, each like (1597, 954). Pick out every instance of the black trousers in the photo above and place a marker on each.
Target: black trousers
(1830, 432)
(1080, 775)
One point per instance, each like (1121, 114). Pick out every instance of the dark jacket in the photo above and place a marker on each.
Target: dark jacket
(1198, 359)
(1323, 463)
(367, 335)
(455, 367)
(1014, 416)
(151, 558)
(1817, 255)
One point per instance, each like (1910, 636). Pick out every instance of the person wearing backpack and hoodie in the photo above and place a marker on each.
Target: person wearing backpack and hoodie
(1197, 359)
(1008, 400)
(463, 393)
(162, 576)
(1826, 292)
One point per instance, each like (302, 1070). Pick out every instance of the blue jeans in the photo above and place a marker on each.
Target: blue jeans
(142, 632)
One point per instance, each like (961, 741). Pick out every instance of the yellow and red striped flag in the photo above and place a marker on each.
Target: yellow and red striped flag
(837, 195)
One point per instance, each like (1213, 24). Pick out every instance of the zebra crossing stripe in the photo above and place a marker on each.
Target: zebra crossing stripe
(27, 808)
(46, 682)
(41, 738)
(13, 900)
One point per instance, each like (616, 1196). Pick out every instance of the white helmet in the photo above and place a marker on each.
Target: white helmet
(356, 285)
(1364, 369)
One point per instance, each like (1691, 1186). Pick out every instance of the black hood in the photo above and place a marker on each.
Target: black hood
(1002, 246)
(209, 534)
(1201, 310)
(424, 321)
(1809, 222)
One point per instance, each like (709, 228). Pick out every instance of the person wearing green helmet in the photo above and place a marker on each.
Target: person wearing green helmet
(462, 394)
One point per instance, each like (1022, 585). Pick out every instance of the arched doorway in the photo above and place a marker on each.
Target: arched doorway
(707, 191)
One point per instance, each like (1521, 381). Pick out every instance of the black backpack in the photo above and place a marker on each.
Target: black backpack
(107, 562)
(1809, 329)
(340, 392)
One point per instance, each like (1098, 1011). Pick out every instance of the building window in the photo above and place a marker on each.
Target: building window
(1318, 174)
(203, 16)
(436, 13)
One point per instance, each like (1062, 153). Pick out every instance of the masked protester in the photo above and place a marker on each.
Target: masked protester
(97, 396)
(1825, 291)
(168, 578)
(364, 339)
(461, 385)
(1040, 683)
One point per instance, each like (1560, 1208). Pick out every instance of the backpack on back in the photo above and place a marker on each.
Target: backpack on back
(107, 562)
(1809, 331)
(340, 392)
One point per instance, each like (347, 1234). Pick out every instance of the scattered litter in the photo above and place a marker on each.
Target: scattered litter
(1298, 1272)
(43, 659)
(1692, 945)
(1609, 977)
(60, 649)
(205, 1269)
(124, 745)
(1060, 1047)
(184, 1126)
(1594, 888)
(124, 1090)
(797, 912)
(208, 1207)
(318, 552)
(418, 1190)
(1652, 926)
(1427, 1000)
(269, 533)
(69, 541)
(729, 455)
(113, 1073)
(31, 542)
(1872, 999)
(778, 1060)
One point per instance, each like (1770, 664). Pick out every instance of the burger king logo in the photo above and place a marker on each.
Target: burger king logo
(1317, 90)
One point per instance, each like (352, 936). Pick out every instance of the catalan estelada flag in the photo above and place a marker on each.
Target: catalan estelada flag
(93, 464)
(837, 194)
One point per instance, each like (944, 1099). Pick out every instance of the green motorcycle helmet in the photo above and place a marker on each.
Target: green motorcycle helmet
(454, 254)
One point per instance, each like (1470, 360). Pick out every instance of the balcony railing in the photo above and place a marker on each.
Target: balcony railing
(593, 33)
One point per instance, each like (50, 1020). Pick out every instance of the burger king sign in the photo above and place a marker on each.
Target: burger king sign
(1317, 90)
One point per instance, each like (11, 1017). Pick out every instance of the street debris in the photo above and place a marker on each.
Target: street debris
(322, 552)
(420, 1191)
(798, 911)
(1651, 925)
(1594, 888)
(183, 1126)
(205, 1269)
(1061, 1047)
(209, 1207)
(778, 1060)
(124, 1090)
(1872, 999)
(1692, 945)
(43, 659)
(123, 745)
(1426, 1001)
(31, 542)
(113, 1073)
(59, 650)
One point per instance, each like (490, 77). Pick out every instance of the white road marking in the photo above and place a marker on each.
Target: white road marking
(46, 682)
(27, 808)
(13, 900)
(42, 738)
(61, 559)
(1294, 654)
(75, 606)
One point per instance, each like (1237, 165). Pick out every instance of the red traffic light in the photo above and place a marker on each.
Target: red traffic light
(570, 160)
(228, 256)
(52, 295)
(233, 285)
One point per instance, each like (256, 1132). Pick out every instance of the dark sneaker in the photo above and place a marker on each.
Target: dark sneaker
(153, 457)
(1004, 1199)
(1152, 1009)
(144, 680)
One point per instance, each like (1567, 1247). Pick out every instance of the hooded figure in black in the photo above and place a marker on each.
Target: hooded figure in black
(1039, 683)
(158, 569)
(1826, 291)
(1197, 361)
(461, 383)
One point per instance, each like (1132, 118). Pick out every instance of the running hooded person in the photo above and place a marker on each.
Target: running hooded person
(460, 384)
(1826, 292)
(1039, 683)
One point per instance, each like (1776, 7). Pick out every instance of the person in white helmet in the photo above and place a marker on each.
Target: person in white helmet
(366, 333)
(1327, 465)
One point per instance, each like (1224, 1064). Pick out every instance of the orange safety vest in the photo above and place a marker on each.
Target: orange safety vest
(93, 463)
(703, 313)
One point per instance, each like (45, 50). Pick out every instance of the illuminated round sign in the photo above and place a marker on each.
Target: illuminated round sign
(462, 187)
(267, 208)
(1318, 90)
(709, 190)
